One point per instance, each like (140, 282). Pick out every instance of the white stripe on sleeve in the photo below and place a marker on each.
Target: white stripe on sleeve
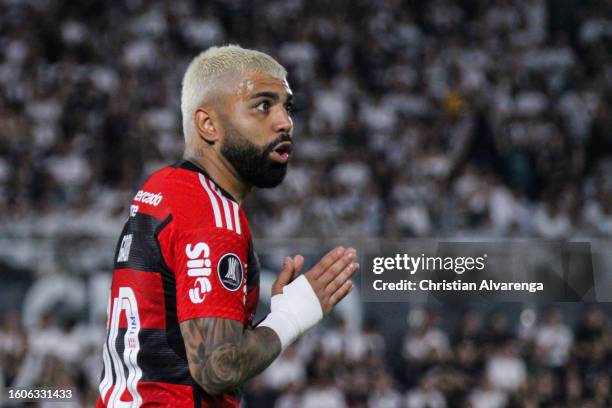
(213, 201)
(236, 218)
(226, 210)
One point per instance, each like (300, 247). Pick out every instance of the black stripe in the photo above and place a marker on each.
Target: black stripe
(144, 254)
(156, 358)
(174, 337)
(173, 332)
(197, 402)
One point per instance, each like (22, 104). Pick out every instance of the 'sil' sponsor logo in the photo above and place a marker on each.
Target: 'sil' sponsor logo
(198, 266)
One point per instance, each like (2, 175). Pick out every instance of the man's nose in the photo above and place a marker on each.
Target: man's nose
(282, 121)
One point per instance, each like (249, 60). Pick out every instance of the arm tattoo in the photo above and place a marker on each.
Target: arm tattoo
(222, 355)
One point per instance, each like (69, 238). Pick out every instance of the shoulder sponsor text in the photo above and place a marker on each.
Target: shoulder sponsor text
(148, 198)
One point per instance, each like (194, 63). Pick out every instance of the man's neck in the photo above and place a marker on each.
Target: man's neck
(222, 173)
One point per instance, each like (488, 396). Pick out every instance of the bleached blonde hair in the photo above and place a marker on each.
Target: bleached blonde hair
(205, 70)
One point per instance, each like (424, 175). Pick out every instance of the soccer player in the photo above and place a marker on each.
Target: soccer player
(185, 284)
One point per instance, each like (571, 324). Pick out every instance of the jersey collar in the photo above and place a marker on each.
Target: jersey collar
(188, 165)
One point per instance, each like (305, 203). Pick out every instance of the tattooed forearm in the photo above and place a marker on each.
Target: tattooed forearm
(223, 355)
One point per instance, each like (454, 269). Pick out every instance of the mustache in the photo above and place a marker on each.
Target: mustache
(283, 137)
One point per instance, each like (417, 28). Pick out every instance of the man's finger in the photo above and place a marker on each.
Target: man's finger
(341, 278)
(334, 270)
(344, 290)
(325, 262)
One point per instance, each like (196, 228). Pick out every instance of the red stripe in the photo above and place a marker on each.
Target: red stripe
(155, 394)
(149, 292)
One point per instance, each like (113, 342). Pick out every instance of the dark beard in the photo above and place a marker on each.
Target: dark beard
(251, 161)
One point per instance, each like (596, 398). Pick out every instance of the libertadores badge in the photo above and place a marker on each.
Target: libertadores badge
(230, 272)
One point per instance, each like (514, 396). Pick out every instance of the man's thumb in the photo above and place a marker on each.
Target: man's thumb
(284, 277)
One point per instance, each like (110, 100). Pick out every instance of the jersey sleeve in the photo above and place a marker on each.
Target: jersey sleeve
(209, 269)
(206, 248)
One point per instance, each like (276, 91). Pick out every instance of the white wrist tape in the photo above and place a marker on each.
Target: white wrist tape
(294, 311)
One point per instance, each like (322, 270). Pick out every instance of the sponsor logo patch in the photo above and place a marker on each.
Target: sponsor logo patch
(198, 266)
(133, 210)
(148, 198)
(230, 272)
(124, 249)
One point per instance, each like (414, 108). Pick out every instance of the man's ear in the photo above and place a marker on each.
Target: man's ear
(206, 126)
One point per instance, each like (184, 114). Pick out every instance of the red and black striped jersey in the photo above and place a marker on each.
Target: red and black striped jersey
(185, 252)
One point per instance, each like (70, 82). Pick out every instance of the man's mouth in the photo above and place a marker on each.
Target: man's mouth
(281, 152)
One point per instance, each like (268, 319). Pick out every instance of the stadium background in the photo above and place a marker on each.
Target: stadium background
(461, 119)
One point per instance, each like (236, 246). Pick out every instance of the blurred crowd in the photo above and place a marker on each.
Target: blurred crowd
(445, 117)
(469, 118)
(542, 362)
(57, 353)
(494, 360)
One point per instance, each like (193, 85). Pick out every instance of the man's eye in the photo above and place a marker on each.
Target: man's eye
(289, 108)
(264, 106)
